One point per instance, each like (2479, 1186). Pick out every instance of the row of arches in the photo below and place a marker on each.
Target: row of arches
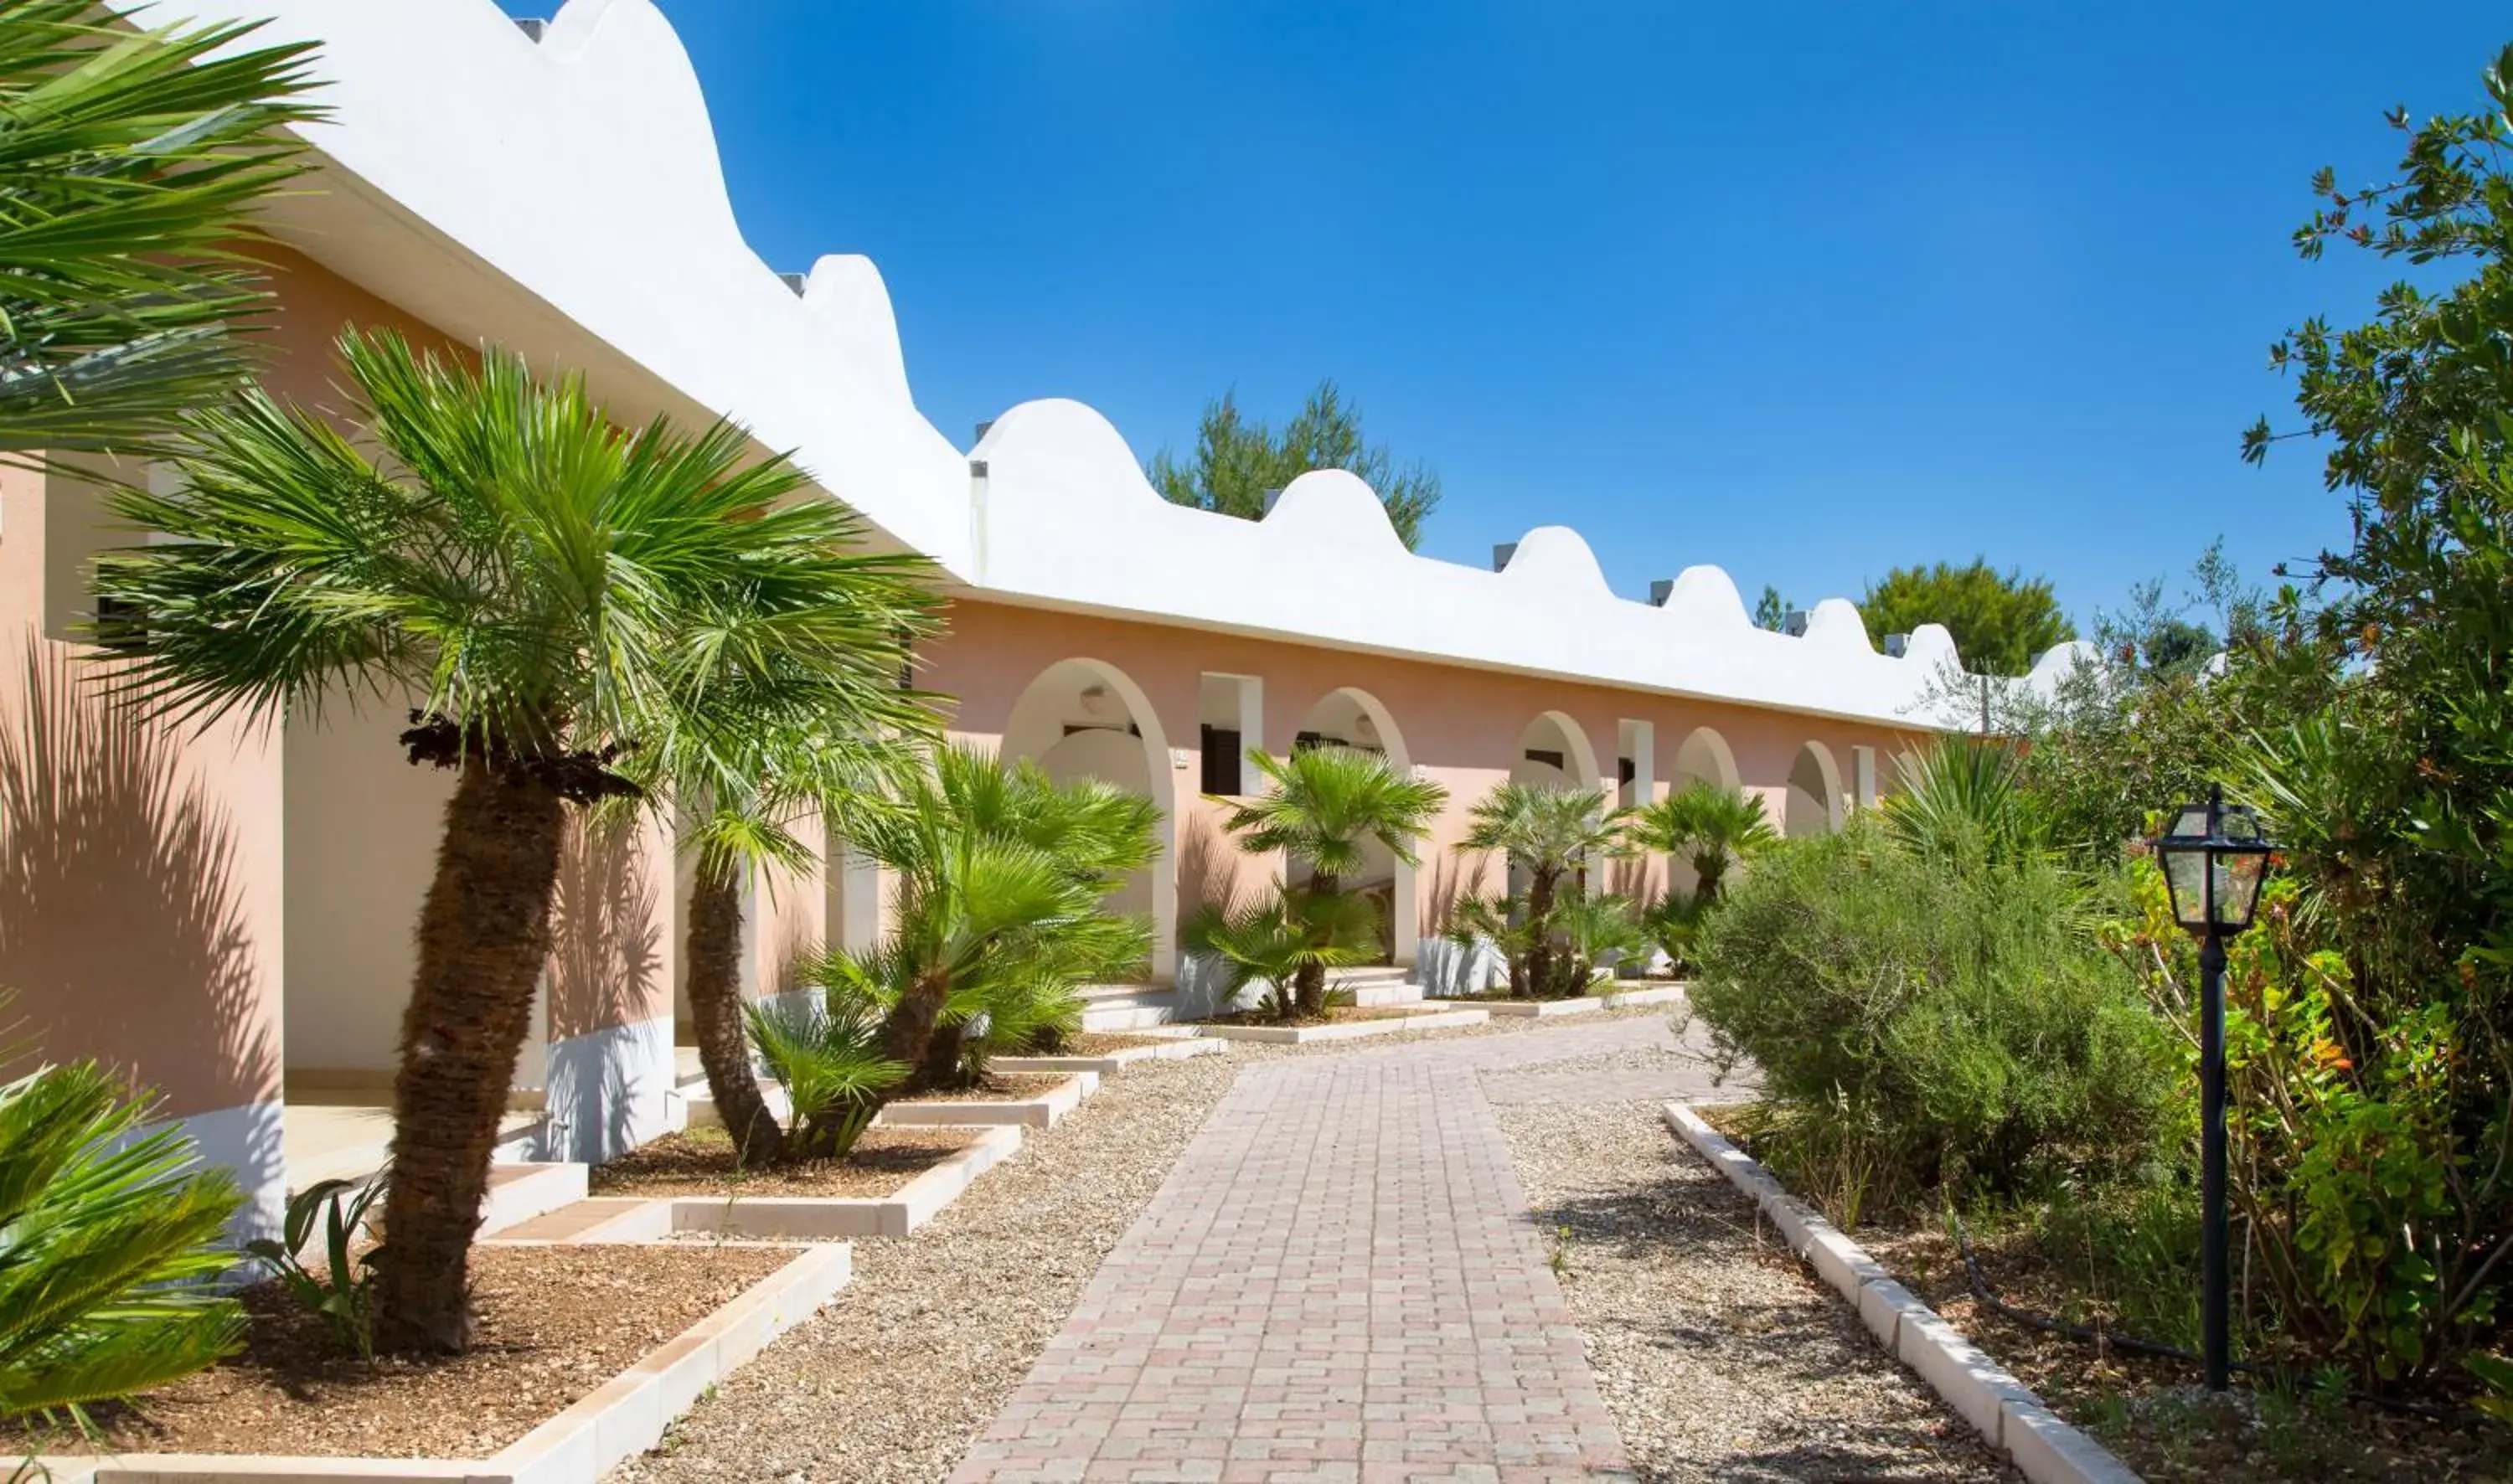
(1085, 718)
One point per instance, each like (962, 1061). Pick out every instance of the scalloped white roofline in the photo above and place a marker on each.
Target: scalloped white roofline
(566, 197)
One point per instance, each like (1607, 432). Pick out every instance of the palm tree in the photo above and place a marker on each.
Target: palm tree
(1552, 833)
(134, 159)
(1324, 806)
(1965, 796)
(743, 766)
(1500, 920)
(112, 1233)
(1276, 940)
(1592, 930)
(1001, 909)
(1710, 826)
(538, 584)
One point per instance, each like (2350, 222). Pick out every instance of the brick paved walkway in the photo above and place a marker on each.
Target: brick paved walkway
(1337, 1285)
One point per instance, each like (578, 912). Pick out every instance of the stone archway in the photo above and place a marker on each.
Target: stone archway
(1815, 792)
(1350, 716)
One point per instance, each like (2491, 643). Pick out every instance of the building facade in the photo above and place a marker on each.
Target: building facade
(228, 912)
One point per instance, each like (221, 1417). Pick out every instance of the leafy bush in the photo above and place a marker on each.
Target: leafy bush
(1274, 941)
(1926, 1020)
(106, 1243)
(829, 1059)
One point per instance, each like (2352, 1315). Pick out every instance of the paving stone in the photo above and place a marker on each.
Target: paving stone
(1337, 1284)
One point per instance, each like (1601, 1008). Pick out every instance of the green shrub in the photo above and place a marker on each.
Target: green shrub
(1925, 1020)
(106, 1240)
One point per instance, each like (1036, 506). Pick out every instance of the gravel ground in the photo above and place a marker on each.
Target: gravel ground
(920, 1353)
(1720, 1356)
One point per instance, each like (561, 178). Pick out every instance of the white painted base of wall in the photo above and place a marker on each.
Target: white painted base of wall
(1445, 970)
(245, 1140)
(610, 1091)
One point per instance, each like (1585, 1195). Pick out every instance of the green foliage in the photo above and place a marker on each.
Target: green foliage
(1935, 1020)
(1555, 834)
(828, 1058)
(106, 1243)
(1593, 933)
(1237, 460)
(343, 1296)
(1713, 827)
(1959, 794)
(2002, 622)
(136, 158)
(1771, 610)
(1500, 920)
(1271, 942)
(1322, 804)
(544, 582)
(1001, 907)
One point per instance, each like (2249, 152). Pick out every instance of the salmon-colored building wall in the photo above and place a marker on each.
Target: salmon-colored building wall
(1463, 728)
(144, 870)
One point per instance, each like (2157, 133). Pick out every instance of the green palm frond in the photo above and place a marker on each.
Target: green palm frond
(1270, 942)
(1548, 830)
(131, 164)
(1324, 802)
(528, 572)
(1711, 827)
(106, 1239)
(828, 1058)
(1002, 897)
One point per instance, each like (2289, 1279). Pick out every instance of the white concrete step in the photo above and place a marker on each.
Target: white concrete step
(1376, 984)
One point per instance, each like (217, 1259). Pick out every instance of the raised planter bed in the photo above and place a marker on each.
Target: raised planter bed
(737, 1215)
(618, 1419)
(1342, 1030)
(2043, 1446)
(1111, 1061)
(1039, 1110)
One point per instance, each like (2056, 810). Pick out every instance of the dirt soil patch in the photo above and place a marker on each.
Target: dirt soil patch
(998, 1087)
(701, 1162)
(2148, 1410)
(2151, 1411)
(1334, 1015)
(554, 1323)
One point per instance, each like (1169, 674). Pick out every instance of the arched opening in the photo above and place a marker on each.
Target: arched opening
(1353, 717)
(1815, 792)
(1085, 719)
(1703, 758)
(1553, 753)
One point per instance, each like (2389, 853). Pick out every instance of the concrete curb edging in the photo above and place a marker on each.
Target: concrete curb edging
(775, 1218)
(1655, 994)
(1528, 1009)
(2003, 1409)
(617, 1421)
(1169, 1049)
(1345, 1030)
(1041, 1111)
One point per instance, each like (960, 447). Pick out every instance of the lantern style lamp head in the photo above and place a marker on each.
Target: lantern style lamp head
(2214, 862)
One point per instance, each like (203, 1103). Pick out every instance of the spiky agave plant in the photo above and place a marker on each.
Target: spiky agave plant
(107, 1241)
(1274, 941)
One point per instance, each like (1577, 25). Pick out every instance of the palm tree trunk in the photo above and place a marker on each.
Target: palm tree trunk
(910, 1032)
(1311, 980)
(1540, 920)
(715, 1004)
(484, 935)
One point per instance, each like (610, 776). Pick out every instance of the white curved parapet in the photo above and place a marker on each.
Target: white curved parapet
(568, 199)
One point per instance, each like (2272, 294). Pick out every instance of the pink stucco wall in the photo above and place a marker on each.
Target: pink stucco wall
(1462, 727)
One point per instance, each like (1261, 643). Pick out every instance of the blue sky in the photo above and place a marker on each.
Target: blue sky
(1806, 291)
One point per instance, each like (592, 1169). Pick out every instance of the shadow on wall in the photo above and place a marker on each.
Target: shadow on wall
(121, 913)
(1442, 967)
(611, 1065)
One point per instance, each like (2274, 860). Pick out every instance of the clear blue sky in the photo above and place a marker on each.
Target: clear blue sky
(1806, 291)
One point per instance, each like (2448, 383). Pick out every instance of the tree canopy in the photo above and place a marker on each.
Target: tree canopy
(2001, 621)
(1238, 459)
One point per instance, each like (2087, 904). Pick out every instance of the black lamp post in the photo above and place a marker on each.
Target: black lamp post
(2214, 860)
